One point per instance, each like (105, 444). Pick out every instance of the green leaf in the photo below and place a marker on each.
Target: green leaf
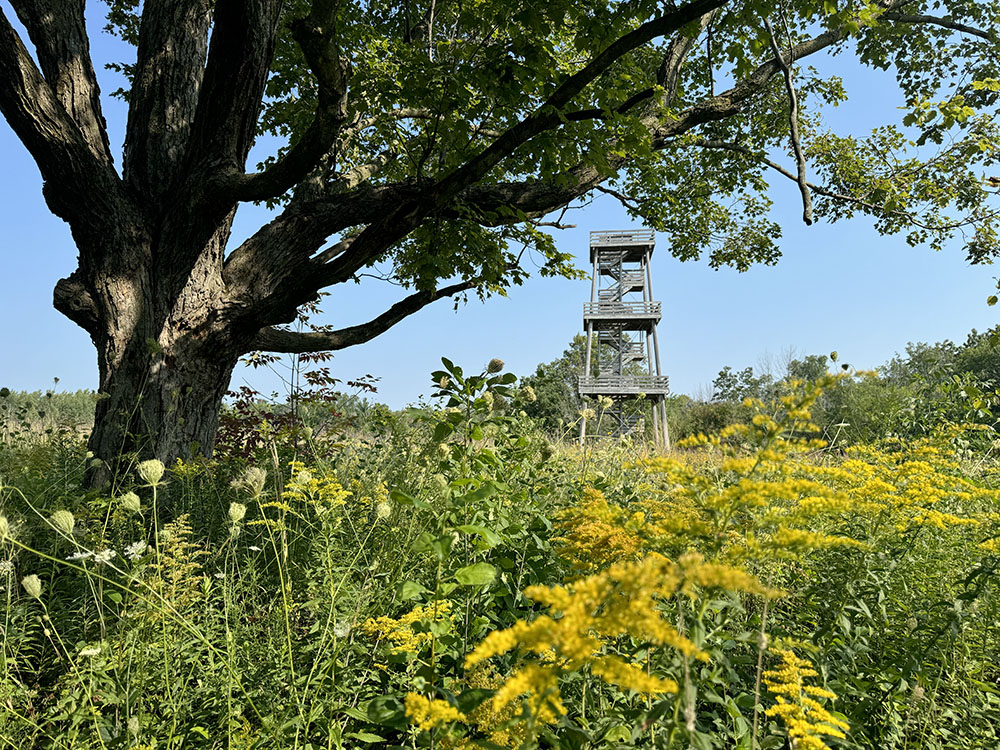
(478, 574)
(388, 711)
(489, 457)
(366, 737)
(402, 498)
(471, 699)
(490, 538)
(477, 433)
(411, 589)
(991, 300)
(443, 430)
(455, 370)
(618, 733)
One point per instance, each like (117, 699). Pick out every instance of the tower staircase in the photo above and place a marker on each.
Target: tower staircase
(621, 320)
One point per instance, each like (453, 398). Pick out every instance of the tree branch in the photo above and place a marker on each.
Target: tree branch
(793, 126)
(274, 272)
(279, 340)
(936, 21)
(397, 224)
(317, 36)
(282, 247)
(170, 63)
(67, 164)
(872, 208)
(239, 60)
(668, 74)
(58, 31)
(72, 298)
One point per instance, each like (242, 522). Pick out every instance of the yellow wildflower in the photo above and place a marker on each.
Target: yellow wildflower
(429, 713)
(410, 633)
(804, 717)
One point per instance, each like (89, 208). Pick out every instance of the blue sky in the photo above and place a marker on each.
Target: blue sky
(838, 287)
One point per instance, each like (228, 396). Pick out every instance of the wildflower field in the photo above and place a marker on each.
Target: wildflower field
(453, 576)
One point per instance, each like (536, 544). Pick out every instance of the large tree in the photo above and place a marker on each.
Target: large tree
(426, 139)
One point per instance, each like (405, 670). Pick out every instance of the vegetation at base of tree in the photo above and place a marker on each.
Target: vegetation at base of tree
(450, 577)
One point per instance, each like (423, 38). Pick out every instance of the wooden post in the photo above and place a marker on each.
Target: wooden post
(661, 406)
(590, 339)
(647, 296)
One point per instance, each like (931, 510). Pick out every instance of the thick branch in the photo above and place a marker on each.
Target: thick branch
(68, 166)
(936, 21)
(272, 265)
(59, 33)
(239, 59)
(678, 50)
(317, 35)
(278, 340)
(793, 126)
(282, 247)
(73, 300)
(173, 39)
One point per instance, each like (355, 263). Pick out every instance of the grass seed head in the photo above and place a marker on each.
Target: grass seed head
(151, 471)
(33, 585)
(63, 521)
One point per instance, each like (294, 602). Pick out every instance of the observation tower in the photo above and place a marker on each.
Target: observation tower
(621, 320)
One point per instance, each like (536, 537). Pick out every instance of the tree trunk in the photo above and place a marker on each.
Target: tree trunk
(161, 401)
(167, 339)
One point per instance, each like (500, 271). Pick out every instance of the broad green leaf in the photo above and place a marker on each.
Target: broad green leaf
(478, 574)
(490, 538)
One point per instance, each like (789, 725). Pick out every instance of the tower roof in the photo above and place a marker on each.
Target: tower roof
(634, 243)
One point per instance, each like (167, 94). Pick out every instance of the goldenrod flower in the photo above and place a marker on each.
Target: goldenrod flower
(804, 717)
(401, 633)
(428, 714)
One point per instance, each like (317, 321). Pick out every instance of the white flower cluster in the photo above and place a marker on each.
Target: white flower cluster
(101, 558)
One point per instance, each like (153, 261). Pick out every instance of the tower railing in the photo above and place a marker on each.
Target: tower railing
(621, 307)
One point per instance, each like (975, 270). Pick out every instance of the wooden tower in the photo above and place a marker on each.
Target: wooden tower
(621, 320)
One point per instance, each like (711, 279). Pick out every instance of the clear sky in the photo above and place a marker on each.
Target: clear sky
(838, 287)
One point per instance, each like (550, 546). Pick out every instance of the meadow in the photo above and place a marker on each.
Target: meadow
(456, 575)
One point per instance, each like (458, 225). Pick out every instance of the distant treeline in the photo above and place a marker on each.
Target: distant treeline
(910, 395)
(45, 412)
